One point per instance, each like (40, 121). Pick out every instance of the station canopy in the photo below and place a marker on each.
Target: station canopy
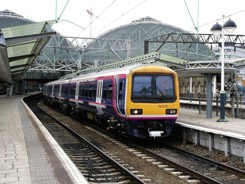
(23, 44)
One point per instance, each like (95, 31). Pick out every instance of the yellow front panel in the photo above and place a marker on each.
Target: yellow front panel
(152, 108)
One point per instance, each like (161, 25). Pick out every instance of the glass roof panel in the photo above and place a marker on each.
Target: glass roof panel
(18, 62)
(20, 50)
(17, 69)
(23, 30)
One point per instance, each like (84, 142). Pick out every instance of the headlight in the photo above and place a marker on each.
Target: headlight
(136, 111)
(171, 111)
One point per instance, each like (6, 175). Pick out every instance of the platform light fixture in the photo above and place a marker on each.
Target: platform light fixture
(217, 30)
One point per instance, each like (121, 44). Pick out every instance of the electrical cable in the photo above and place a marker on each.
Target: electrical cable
(218, 19)
(123, 15)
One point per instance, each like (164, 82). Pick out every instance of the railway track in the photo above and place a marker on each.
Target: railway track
(96, 166)
(186, 166)
(229, 170)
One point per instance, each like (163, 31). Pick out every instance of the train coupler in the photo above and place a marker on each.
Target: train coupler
(155, 133)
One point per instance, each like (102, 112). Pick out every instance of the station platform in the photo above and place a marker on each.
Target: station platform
(227, 137)
(29, 154)
(191, 118)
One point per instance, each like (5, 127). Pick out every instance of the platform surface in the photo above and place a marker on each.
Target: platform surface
(23, 154)
(235, 127)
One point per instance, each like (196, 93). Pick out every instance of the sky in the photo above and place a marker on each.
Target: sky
(109, 14)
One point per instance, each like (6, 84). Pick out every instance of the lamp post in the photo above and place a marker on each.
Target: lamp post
(217, 29)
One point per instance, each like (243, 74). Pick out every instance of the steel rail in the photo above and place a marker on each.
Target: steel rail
(191, 172)
(210, 161)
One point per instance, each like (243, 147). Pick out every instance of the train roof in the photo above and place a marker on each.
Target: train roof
(60, 81)
(118, 71)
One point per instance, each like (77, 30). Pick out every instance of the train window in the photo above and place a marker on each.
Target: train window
(164, 86)
(49, 90)
(44, 90)
(63, 90)
(105, 88)
(80, 91)
(94, 91)
(90, 92)
(56, 90)
(110, 92)
(153, 88)
(72, 90)
(86, 91)
(120, 92)
(142, 85)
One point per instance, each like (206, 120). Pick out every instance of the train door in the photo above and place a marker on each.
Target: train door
(99, 96)
(52, 92)
(121, 95)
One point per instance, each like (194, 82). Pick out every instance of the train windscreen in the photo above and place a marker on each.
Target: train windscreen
(152, 88)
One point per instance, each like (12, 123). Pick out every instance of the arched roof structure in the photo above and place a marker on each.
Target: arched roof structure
(11, 19)
(138, 31)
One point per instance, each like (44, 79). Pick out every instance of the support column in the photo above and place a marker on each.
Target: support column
(11, 86)
(79, 64)
(244, 154)
(214, 85)
(209, 96)
(211, 142)
(190, 89)
(129, 48)
(227, 146)
(146, 47)
(197, 138)
(233, 104)
(54, 59)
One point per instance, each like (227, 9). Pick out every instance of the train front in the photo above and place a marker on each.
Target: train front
(152, 102)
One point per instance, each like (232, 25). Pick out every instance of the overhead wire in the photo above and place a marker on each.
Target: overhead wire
(123, 15)
(213, 21)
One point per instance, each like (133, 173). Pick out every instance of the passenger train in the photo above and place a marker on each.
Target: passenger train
(140, 100)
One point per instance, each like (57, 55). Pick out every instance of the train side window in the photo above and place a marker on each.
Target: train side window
(105, 88)
(90, 91)
(110, 92)
(120, 92)
(72, 90)
(94, 91)
(80, 91)
(63, 90)
(56, 90)
(85, 91)
(49, 90)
